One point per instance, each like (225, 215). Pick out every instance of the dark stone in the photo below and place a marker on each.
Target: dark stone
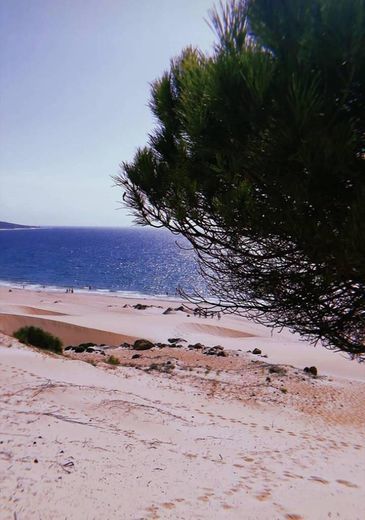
(142, 344)
(181, 308)
(163, 367)
(176, 340)
(86, 345)
(140, 307)
(94, 350)
(196, 346)
(136, 356)
(125, 345)
(70, 347)
(311, 370)
(268, 379)
(79, 350)
(214, 351)
(276, 369)
(256, 351)
(168, 310)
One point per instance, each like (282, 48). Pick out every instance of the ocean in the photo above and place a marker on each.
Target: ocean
(131, 261)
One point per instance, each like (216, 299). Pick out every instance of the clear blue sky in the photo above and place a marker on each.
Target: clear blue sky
(74, 88)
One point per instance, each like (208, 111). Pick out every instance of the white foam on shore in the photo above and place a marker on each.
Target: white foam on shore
(27, 286)
(19, 229)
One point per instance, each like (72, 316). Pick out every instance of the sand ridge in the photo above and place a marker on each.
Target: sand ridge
(214, 330)
(28, 310)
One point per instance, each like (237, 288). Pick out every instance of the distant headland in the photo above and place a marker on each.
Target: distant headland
(11, 225)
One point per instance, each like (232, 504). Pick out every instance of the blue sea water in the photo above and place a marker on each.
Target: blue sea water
(127, 260)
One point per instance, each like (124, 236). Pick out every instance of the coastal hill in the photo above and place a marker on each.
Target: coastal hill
(11, 225)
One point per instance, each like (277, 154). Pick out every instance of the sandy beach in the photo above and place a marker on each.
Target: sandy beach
(173, 432)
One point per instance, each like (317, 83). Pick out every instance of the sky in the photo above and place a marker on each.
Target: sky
(75, 81)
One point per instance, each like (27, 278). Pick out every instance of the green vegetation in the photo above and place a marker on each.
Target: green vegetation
(258, 159)
(112, 360)
(39, 338)
(87, 345)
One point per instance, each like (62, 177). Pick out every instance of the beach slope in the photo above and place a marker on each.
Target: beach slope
(174, 432)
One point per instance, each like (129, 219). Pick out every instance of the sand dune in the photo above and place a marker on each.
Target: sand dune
(211, 438)
(84, 442)
(106, 319)
(26, 309)
(214, 330)
(70, 334)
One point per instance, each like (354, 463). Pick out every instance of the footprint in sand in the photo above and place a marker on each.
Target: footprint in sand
(318, 479)
(153, 510)
(347, 483)
(168, 505)
(229, 493)
(294, 475)
(190, 455)
(264, 495)
(226, 506)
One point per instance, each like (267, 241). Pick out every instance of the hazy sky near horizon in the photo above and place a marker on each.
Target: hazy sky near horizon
(74, 86)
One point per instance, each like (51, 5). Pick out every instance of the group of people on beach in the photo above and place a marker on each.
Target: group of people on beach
(203, 313)
(70, 290)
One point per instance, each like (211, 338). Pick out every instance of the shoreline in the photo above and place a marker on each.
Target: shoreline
(59, 289)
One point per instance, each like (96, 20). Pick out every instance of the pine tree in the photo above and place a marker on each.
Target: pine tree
(258, 159)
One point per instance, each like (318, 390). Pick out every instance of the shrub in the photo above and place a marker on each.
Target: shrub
(39, 338)
(87, 345)
(112, 360)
